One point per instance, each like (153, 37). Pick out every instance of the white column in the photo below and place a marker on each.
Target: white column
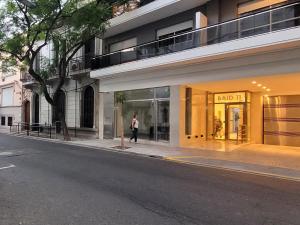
(175, 116)
(200, 22)
(101, 115)
(256, 118)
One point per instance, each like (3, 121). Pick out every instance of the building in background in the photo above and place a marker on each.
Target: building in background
(77, 99)
(10, 95)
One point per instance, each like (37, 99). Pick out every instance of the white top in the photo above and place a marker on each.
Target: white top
(135, 123)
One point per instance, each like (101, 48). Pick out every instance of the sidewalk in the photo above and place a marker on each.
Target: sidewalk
(278, 161)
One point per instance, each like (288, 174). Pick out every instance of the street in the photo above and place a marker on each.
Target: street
(45, 183)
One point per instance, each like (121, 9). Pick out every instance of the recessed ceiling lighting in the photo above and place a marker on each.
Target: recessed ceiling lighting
(259, 85)
(254, 82)
(266, 95)
(264, 87)
(268, 89)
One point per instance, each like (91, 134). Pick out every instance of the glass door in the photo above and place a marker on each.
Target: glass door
(235, 120)
(219, 121)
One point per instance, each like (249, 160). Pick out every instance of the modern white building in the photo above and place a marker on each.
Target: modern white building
(198, 71)
(193, 71)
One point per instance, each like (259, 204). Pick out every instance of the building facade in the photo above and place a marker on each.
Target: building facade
(10, 95)
(193, 72)
(198, 71)
(77, 99)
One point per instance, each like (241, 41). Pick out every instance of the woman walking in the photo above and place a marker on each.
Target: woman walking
(134, 127)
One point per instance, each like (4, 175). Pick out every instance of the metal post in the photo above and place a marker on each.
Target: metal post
(237, 134)
(75, 131)
(50, 130)
(18, 128)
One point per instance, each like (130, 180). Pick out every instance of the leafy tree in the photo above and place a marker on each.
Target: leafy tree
(27, 27)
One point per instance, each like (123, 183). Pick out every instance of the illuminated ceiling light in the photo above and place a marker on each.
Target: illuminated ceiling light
(264, 87)
(259, 85)
(254, 82)
(268, 89)
(266, 96)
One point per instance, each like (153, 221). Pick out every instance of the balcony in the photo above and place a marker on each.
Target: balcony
(27, 79)
(80, 65)
(270, 22)
(151, 11)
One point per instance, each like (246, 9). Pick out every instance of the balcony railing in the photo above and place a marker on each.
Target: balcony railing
(26, 77)
(275, 19)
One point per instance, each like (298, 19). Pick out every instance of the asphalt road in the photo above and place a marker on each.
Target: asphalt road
(56, 184)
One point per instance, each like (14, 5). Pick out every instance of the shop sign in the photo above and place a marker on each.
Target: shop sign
(230, 97)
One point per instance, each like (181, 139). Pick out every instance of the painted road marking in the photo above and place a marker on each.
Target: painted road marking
(6, 153)
(7, 167)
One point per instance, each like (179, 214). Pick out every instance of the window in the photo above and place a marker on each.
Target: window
(36, 108)
(88, 107)
(2, 120)
(182, 40)
(254, 5)
(59, 112)
(123, 45)
(127, 51)
(9, 121)
(7, 96)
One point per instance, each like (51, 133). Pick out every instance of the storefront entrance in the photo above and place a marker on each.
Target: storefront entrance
(231, 121)
(152, 107)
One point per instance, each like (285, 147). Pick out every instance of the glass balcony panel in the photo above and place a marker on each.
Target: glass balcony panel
(146, 51)
(213, 35)
(115, 59)
(255, 24)
(128, 55)
(228, 31)
(286, 17)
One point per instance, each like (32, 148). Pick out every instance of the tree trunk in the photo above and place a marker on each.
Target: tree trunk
(60, 120)
(65, 130)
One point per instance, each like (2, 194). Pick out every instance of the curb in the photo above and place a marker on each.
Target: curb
(167, 159)
(245, 171)
(109, 149)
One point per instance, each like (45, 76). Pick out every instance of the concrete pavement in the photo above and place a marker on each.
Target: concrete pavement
(280, 161)
(58, 184)
(269, 160)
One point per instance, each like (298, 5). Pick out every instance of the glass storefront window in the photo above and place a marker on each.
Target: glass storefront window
(144, 111)
(162, 92)
(139, 94)
(152, 109)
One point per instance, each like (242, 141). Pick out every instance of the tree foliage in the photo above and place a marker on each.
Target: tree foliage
(27, 29)
(69, 24)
